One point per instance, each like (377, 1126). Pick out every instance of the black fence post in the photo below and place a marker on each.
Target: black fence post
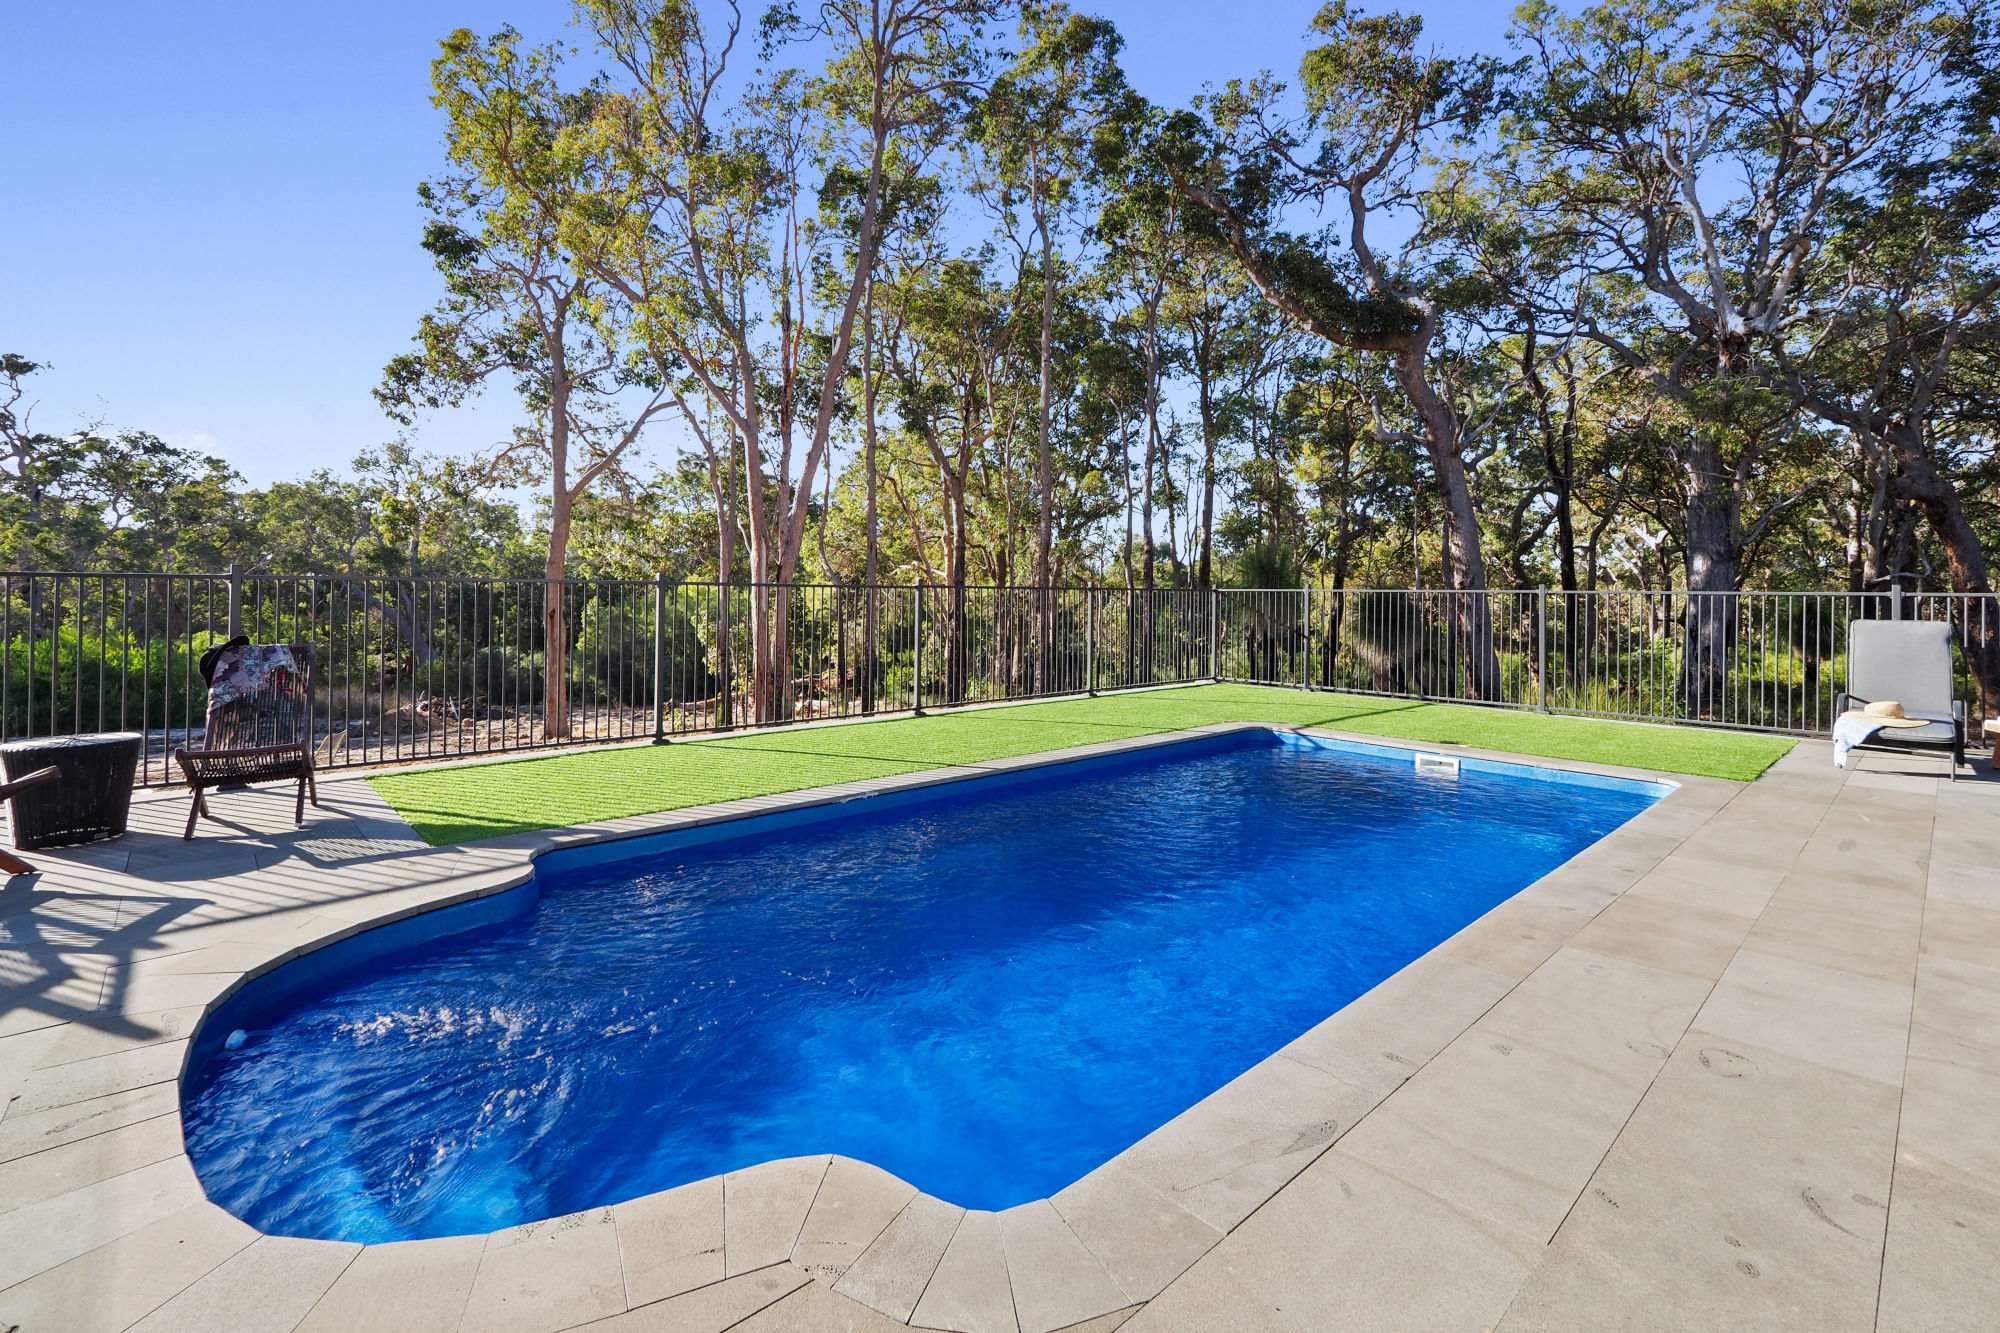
(1090, 641)
(1542, 644)
(660, 658)
(917, 652)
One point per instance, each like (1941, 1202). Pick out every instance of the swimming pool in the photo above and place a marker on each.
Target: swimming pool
(987, 988)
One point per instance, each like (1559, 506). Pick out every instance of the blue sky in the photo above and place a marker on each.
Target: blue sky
(211, 225)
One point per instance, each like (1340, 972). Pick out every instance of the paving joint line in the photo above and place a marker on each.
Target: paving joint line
(1903, 1089)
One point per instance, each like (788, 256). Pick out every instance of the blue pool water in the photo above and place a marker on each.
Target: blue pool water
(987, 990)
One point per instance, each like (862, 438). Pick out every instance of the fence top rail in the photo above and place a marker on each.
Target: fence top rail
(267, 577)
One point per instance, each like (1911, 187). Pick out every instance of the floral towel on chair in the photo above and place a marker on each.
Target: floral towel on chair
(253, 697)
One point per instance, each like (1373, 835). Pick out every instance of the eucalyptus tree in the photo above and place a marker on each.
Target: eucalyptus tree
(951, 355)
(1209, 304)
(1374, 107)
(1143, 224)
(1901, 337)
(1696, 150)
(97, 497)
(519, 306)
(913, 208)
(1038, 124)
(699, 225)
(1112, 395)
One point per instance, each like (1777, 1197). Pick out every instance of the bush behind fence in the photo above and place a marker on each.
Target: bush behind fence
(419, 668)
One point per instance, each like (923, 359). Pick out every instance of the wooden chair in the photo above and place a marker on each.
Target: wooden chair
(9, 862)
(263, 736)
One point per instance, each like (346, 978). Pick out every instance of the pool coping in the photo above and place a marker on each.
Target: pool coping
(1108, 1242)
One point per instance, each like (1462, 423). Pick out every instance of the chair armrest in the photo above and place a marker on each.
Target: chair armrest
(1844, 701)
(39, 777)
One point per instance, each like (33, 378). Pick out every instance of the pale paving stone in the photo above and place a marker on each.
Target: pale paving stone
(31, 912)
(1899, 775)
(763, 1209)
(547, 1275)
(1673, 937)
(1386, 1035)
(854, 1204)
(1737, 840)
(1350, 1248)
(1892, 907)
(1104, 1323)
(1224, 1156)
(1891, 861)
(1585, 891)
(815, 1309)
(1056, 1280)
(892, 1273)
(230, 958)
(1143, 1239)
(403, 1285)
(214, 925)
(142, 994)
(54, 1171)
(1966, 885)
(711, 1309)
(1749, 1191)
(83, 1041)
(1619, 1017)
(1861, 806)
(33, 1001)
(1938, 1272)
(1734, 891)
(1956, 930)
(1672, 819)
(970, 1291)
(19, 1055)
(54, 1231)
(1951, 1115)
(1959, 842)
(1833, 938)
(1846, 1022)
(671, 1242)
(1498, 1127)
(100, 1076)
(22, 1134)
(1954, 1016)
(1514, 938)
(110, 1287)
(1629, 854)
(1790, 805)
(267, 1287)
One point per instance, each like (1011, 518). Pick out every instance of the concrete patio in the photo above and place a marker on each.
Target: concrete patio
(1737, 1065)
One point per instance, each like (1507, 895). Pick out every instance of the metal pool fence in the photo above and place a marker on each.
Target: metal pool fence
(1764, 661)
(431, 668)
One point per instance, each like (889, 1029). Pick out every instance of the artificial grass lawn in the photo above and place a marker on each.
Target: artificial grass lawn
(447, 805)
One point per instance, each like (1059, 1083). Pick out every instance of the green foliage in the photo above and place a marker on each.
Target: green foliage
(1269, 564)
(614, 651)
(77, 679)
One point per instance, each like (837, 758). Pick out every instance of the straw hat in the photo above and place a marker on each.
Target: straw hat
(1887, 713)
